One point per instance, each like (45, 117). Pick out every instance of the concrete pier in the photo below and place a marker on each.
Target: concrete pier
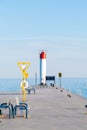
(50, 109)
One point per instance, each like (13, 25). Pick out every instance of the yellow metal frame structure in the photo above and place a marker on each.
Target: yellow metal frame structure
(24, 77)
(24, 71)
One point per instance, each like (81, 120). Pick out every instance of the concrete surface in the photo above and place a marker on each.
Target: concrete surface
(50, 109)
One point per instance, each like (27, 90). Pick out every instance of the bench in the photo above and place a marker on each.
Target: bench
(30, 90)
(7, 106)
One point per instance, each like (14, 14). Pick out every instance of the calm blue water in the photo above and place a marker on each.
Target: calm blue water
(75, 85)
(12, 85)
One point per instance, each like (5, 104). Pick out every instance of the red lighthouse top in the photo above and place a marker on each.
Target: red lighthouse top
(42, 55)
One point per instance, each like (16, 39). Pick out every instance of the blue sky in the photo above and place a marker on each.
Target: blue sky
(59, 27)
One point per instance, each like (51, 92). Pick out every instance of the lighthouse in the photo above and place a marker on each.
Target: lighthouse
(43, 68)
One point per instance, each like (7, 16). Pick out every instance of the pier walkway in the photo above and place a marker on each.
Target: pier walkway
(50, 109)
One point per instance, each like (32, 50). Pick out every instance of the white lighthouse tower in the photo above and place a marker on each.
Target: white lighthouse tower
(43, 68)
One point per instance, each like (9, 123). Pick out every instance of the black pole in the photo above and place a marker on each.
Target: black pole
(36, 78)
(60, 82)
(60, 75)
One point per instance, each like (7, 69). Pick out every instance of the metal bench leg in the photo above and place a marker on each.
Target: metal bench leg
(26, 113)
(9, 112)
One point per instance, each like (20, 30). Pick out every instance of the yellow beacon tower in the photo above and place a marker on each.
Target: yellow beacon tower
(24, 83)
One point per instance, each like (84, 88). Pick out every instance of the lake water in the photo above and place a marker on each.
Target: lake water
(75, 85)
